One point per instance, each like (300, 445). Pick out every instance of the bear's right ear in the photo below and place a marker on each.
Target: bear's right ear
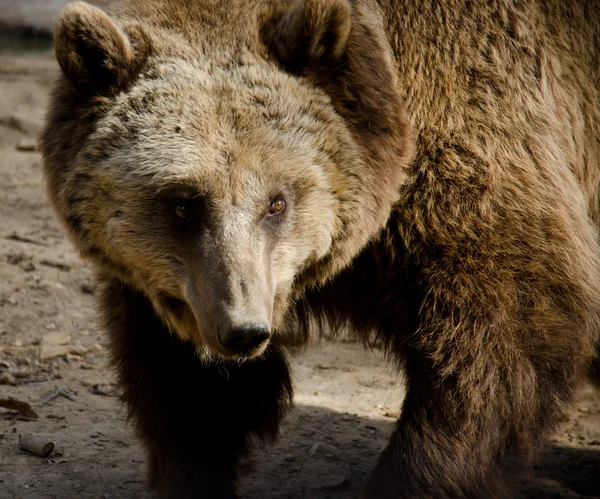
(92, 52)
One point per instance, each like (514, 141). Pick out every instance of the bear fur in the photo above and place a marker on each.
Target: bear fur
(438, 166)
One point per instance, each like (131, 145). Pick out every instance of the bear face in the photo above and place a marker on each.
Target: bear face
(222, 185)
(225, 218)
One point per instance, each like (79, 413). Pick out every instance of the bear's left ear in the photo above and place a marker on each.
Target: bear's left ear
(93, 52)
(343, 49)
(311, 32)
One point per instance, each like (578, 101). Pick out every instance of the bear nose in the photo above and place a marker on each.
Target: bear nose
(245, 338)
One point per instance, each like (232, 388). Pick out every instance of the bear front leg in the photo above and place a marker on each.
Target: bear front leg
(489, 370)
(195, 419)
(439, 449)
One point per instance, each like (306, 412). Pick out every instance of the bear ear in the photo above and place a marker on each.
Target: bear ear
(342, 47)
(91, 51)
(309, 33)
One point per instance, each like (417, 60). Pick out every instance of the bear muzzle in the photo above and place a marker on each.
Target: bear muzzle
(229, 328)
(245, 340)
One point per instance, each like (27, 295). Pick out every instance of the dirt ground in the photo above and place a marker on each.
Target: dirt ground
(50, 343)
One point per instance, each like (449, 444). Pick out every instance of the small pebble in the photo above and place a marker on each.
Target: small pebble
(20, 372)
(26, 145)
(7, 379)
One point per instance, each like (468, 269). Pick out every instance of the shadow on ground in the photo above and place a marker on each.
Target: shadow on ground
(325, 454)
(321, 454)
(566, 472)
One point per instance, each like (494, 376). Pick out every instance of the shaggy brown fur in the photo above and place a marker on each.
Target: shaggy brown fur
(177, 127)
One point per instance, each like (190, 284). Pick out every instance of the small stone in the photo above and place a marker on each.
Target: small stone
(54, 345)
(7, 379)
(55, 338)
(105, 390)
(15, 259)
(86, 288)
(28, 267)
(48, 352)
(26, 145)
(79, 350)
(20, 372)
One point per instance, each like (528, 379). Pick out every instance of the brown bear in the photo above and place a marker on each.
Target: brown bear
(240, 171)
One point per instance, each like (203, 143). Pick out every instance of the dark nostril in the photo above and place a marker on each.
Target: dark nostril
(245, 338)
(256, 341)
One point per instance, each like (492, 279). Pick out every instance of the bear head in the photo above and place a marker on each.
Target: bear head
(221, 157)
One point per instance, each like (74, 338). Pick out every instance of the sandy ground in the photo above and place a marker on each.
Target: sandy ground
(346, 402)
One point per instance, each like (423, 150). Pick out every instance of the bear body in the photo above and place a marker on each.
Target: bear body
(424, 174)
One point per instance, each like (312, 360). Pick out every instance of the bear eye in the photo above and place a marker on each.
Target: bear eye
(184, 209)
(277, 206)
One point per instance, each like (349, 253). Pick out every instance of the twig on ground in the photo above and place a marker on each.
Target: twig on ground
(22, 239)
(57, 265)
(59, 392)
(22, 408)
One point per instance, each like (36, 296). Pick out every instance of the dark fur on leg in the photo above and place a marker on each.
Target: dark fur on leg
(195, 419)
